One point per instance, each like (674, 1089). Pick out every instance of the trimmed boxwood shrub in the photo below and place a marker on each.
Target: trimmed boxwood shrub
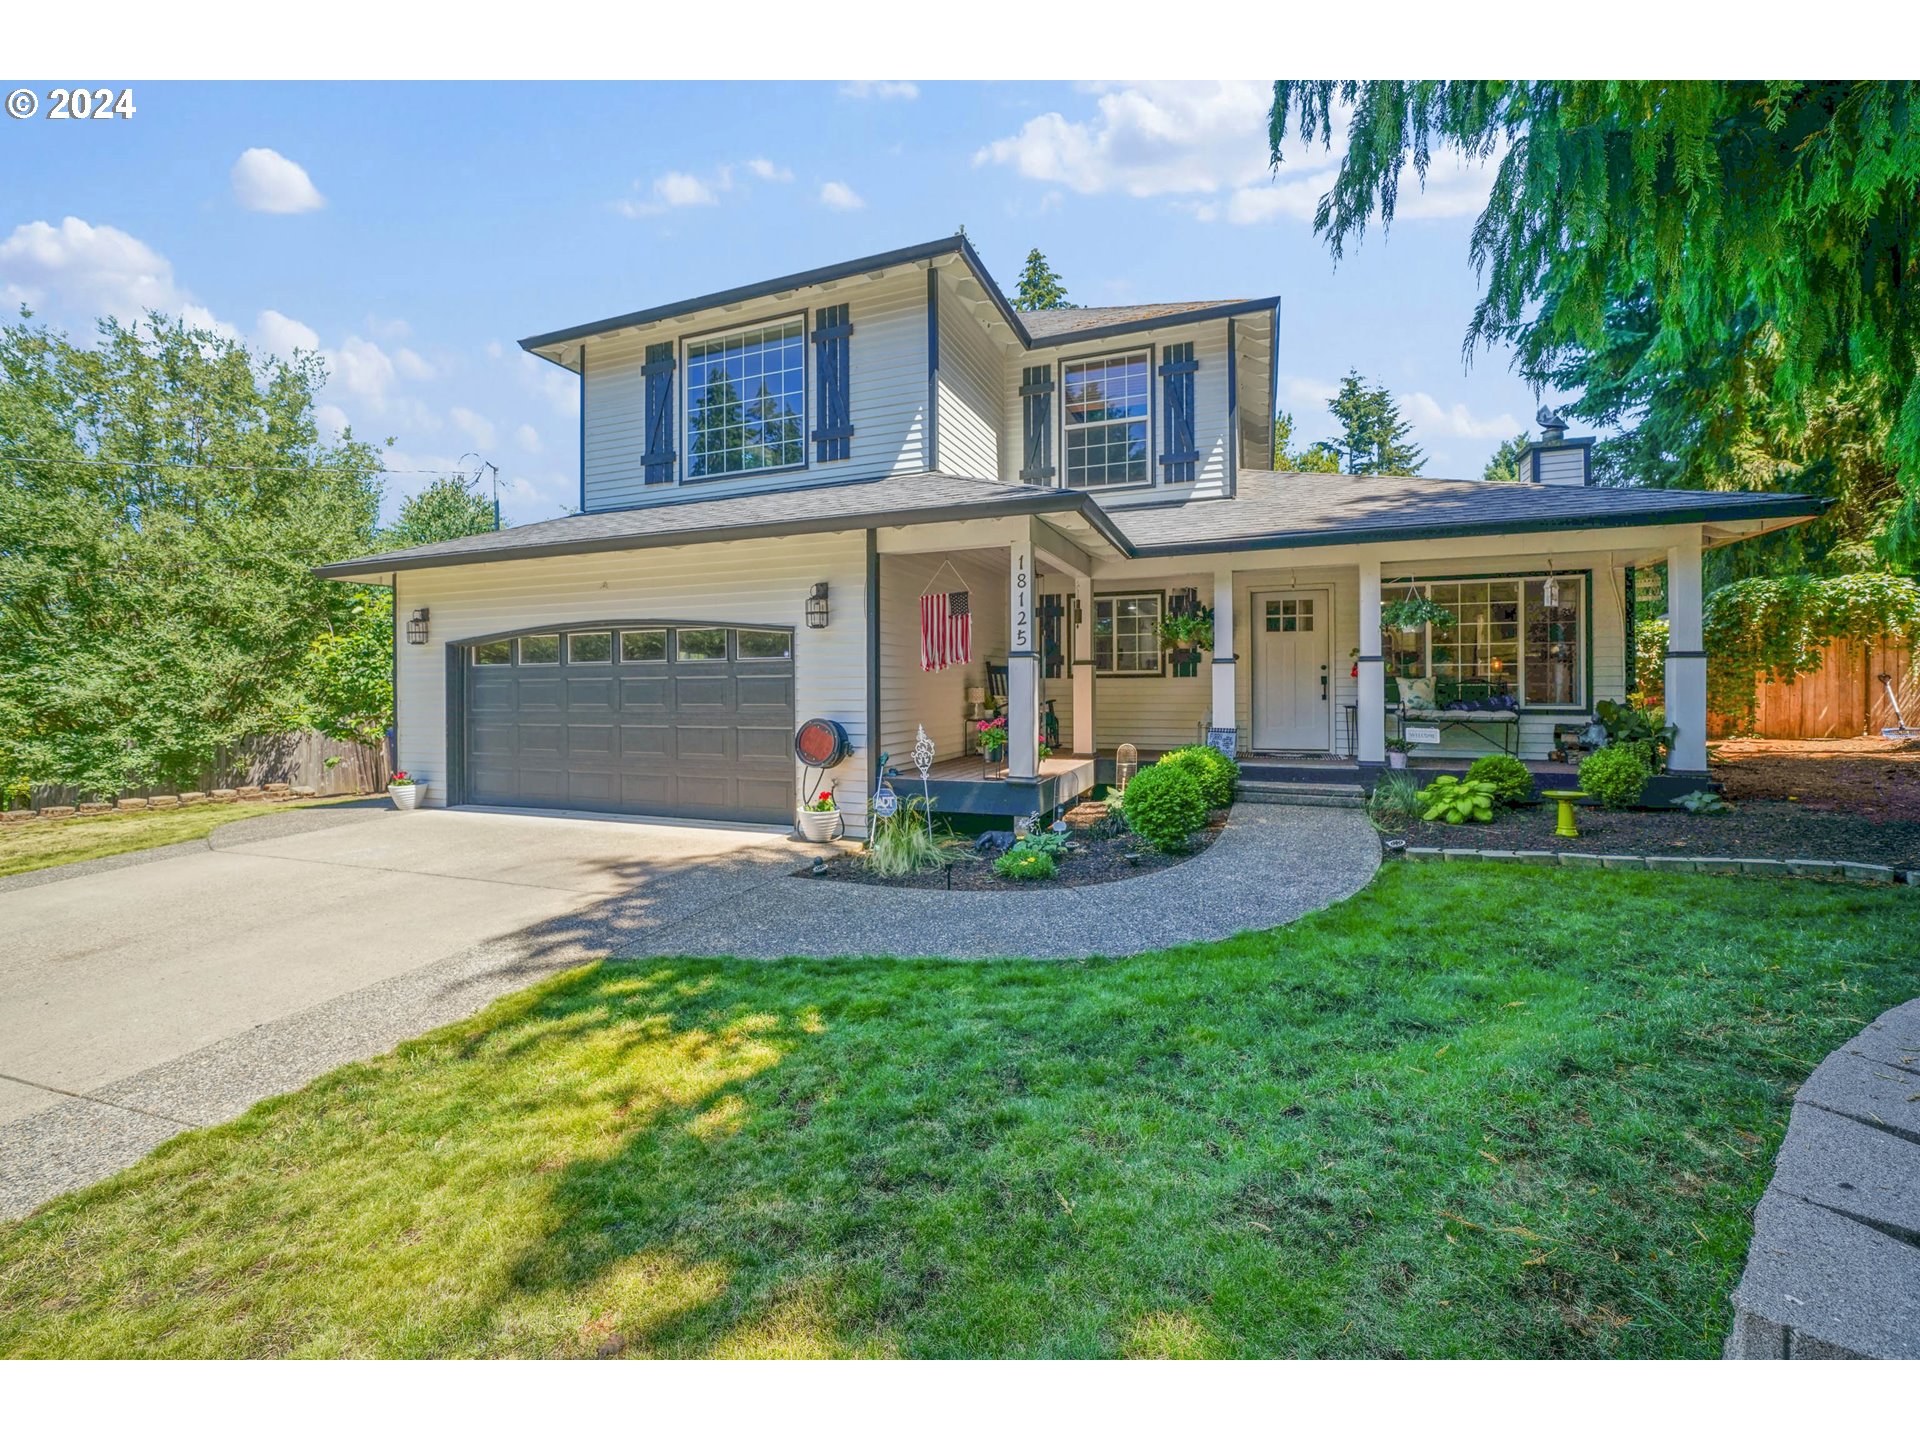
(1512, 782)
(1164, 805)
(1616, 775)
(1215, 772)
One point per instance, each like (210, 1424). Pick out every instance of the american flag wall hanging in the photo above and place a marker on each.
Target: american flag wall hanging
(946, 629)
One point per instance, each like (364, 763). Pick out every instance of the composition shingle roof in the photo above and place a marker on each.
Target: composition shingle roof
(1277, 509)
(1272, 510)
(1045, 324)
(896, 500)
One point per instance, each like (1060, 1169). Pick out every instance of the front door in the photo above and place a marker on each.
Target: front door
(1291, 680)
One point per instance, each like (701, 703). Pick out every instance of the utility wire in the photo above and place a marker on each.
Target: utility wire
(178, 465)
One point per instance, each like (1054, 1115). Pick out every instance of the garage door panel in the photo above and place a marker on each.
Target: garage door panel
(705, 739)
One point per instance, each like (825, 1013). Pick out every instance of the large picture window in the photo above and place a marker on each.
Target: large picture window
(747, 400)
(1510, 636)
(1126, 635)
(1105, 420)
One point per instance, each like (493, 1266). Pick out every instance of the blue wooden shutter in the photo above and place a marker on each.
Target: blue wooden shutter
(1176, 404)
(1036, 409)
(659, 376)
(833, 415)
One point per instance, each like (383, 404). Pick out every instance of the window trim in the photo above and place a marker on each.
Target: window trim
(1066, 362)
(622, 631)
(1159, 598)
(741, 658)
(573, 635)
(684, 376)
(520, 646)
(726, 645)
(1584, 670)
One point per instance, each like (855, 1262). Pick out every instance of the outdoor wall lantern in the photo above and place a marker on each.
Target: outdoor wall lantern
(817, 607)
(417, 627)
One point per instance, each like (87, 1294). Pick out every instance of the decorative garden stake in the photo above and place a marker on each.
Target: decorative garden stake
(923, 762)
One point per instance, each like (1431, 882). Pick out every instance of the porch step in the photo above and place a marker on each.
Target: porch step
(1300, 792)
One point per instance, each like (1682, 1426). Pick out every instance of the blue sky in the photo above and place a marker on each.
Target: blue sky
(413, 232)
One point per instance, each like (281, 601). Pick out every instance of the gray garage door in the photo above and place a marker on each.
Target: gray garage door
(693, 720)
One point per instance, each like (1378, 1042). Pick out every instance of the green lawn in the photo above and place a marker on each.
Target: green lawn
(61, 842)
(1469, 1112)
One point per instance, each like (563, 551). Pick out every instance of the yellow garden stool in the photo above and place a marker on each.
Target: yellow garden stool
(1565, 827)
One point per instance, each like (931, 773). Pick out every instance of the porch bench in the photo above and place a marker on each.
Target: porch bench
(1496, 727)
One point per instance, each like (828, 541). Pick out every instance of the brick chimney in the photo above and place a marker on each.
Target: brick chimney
(1553, 459)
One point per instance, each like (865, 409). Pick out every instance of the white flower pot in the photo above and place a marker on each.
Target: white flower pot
(1396, 760)
(406, 797)
(819, 825)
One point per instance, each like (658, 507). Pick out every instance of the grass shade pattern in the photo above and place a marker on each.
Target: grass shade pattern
(46, 843)
(1381, 1131)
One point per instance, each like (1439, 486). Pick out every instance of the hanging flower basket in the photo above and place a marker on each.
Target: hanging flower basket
(1411, 613)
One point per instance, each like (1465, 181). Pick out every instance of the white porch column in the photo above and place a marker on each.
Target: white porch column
(1686, 657)
(1373, 676)
(1223, 667)
(1082, 641)
(1023, 666)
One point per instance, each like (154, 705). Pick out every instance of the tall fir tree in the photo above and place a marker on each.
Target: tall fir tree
(1373, 437)
(1319, 458)
(1505, 461)
(1039, 287)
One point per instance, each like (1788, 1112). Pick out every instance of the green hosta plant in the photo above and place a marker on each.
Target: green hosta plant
(1457, 801)
(1645, 728)
(1704, 802)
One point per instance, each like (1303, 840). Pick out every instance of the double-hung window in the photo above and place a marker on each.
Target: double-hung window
(1105, 406)
(747, 400)
(1126, 634)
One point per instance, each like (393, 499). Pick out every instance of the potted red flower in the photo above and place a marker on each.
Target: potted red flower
(820, 818)
(405, 790)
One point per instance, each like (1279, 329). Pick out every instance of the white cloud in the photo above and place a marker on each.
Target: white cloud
(682, 189)
(880, 90)
(282, 335)
(838, 195)
(765, 169)
(528, 439)
(331, 419)
(364, 370)
(94, 269)
(267, 181)
(677, 188)
(1156, 138)
(410, 364)
(560, 388)
(1430, 415)
(476, 428)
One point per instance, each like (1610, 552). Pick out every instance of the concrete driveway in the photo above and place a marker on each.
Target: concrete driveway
(149, 994)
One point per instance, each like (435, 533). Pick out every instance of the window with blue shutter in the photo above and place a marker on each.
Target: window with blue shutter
(659, 455)
(1176, 404)
(1036, 410)
(832, 352)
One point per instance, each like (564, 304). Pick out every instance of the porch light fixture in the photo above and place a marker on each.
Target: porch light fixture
(817, 606)
(417, 627)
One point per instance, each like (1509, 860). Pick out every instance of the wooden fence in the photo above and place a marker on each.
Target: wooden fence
(1841, 699)
(297, 759)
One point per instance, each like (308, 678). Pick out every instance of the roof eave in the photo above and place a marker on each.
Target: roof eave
(1042, 504)
(1157, 322)
(1787, 508)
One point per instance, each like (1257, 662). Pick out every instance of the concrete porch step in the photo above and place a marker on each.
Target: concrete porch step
(1298, 792)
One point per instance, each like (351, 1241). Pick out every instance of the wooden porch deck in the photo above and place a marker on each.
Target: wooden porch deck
(969, 785)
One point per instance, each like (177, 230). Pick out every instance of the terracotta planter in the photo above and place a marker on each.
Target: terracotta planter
(820, 825)
(407, 797)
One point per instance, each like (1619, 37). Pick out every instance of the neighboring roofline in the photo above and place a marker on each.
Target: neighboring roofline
(1045, 503)
(889, 259)
(1225, 310)
(845, 269)
(1788, 507)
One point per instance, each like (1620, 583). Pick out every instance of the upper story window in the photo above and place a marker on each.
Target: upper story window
(1104, 420)
(747, 400)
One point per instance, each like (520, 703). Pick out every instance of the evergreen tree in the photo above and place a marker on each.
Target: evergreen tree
(1505, 464)
(1761, 232)
(1040, 288)
(1317, 458)
(1373, 437)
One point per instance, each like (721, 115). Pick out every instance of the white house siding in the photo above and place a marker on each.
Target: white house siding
(1152, 712)
(971, 365)
(1210, 428)
(887, 382)
(911, 697)
(739, 582)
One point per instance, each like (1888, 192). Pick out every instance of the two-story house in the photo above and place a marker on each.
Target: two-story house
(774, 478)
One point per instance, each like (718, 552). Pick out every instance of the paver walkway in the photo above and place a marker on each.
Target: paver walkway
(141, 1000)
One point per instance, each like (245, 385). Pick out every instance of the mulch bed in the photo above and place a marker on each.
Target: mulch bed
(1757, 830)
(1866, 775)
(1107, 852)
